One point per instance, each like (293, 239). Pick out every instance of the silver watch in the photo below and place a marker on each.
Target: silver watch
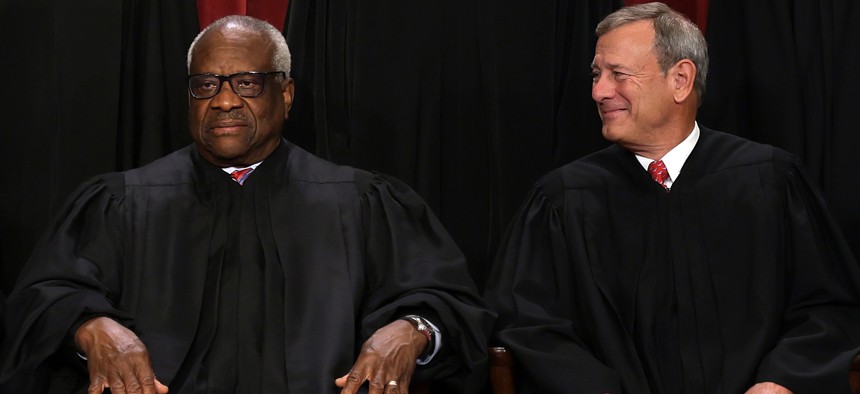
(422, 325)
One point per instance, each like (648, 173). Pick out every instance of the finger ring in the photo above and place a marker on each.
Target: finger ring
(392, 383)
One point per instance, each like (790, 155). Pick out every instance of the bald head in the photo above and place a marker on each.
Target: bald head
(248, 25)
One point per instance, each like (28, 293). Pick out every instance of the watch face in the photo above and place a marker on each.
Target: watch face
(421, 326)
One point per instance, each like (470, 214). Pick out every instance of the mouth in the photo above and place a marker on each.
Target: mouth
(226, 124)
(226, 128)
(608, 113)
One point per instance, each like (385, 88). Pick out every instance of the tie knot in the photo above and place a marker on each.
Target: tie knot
(240, 175)
(658, 172)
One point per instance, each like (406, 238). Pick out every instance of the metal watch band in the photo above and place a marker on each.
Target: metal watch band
(421, 325)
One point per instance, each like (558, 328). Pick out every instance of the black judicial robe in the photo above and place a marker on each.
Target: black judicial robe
(335, 253)
(607, 283)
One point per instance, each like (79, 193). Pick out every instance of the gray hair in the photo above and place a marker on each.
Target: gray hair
(675, 37)
(281, 55)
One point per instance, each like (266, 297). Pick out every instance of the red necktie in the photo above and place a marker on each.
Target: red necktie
(659, 173)
(240, 175)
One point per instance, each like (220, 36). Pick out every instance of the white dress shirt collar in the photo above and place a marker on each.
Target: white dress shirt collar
(675, 158)
(230, 170)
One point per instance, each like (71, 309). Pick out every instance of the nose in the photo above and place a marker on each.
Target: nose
(603, 87)
(226, 99)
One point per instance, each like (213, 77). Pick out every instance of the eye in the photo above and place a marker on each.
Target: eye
(595, 76)
(205, 84)
(619, 75)
(247, 83)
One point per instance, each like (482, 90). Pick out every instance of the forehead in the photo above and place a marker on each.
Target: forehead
(632, 43)
(229, 51)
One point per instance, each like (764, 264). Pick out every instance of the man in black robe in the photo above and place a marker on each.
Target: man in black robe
(296, 275)
(717, 271)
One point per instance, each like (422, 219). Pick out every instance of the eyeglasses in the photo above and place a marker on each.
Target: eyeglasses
(244, 84)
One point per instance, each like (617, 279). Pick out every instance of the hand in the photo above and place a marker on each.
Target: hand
(116, 358)
(768, 388)
(389, 355)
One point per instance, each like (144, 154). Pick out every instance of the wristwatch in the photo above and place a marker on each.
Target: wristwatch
(423, 326)
(420, 324)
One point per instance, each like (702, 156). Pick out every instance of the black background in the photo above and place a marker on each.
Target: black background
(468, 101)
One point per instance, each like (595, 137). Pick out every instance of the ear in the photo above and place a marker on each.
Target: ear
(682, 75)
(289, 92)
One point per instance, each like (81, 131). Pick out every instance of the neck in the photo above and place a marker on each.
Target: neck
(665, 139)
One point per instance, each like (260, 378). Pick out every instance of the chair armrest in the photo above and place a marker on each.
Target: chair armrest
(501, 371)
(854, 375)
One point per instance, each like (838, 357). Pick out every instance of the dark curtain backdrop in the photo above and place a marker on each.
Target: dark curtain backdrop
(785, 73)
(95, 86)
(468, 101)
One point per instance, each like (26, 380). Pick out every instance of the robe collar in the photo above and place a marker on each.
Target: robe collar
(208, 173)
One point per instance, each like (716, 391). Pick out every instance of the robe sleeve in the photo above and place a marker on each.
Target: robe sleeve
(413, 266)
(819, 337)
(60, 283)
(530, 287)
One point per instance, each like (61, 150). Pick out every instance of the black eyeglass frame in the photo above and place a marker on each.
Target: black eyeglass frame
(229, 79)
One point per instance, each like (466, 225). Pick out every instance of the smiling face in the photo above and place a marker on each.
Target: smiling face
(227, 129)
(634, 98)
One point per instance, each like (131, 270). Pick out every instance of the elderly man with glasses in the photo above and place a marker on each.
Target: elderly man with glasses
(243, 263)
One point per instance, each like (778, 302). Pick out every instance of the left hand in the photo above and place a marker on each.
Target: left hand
(768, 388)
(389, 355)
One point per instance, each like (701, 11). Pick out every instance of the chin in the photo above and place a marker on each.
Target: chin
(224, 155)
(230, 149)
(610, 134)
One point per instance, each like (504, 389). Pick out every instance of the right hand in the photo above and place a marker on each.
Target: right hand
(387, 360)
(116, 359)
